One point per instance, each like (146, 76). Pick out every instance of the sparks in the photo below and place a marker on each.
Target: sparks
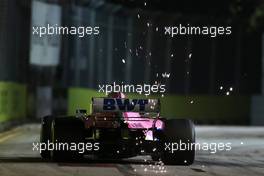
(165, 75)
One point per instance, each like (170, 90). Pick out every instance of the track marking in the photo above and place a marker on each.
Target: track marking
(9, 134)
(126, 170)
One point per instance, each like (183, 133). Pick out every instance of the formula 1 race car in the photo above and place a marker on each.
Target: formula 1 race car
(119, 127)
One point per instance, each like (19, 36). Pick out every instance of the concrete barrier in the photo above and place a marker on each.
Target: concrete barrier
(13, 103)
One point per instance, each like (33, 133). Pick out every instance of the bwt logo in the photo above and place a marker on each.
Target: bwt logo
(111, 104)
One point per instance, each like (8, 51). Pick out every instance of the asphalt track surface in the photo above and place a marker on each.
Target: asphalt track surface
(245, 158)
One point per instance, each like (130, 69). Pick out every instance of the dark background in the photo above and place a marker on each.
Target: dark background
(233, 60)
(228, 61)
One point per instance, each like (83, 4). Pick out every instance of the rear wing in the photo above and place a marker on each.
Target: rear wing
(125, 105)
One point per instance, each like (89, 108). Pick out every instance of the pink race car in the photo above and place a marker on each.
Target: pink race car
(119, 127)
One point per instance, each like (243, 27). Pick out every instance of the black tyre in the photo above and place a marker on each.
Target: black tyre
(66, 132)
(45, 134)
(178, 131)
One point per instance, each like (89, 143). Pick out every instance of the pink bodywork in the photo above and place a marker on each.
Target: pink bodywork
(135, 121)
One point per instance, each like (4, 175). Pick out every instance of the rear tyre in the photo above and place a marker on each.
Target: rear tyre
(179, 131)
(45, 135)
(66, 132)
